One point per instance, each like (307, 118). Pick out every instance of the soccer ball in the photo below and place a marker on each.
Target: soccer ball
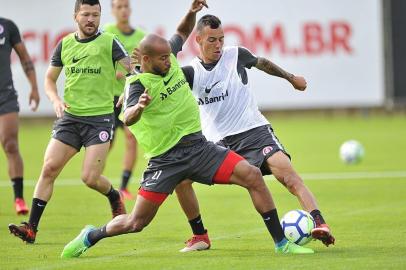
(351, 152)
(297, 226)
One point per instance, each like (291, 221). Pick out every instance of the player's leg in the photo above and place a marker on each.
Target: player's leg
(130, 155)
(130, 152)
(56, 156)
(281, 167)
(93, 166)
(188, 201)
(236, 170)
(145, 209)
(9, 142)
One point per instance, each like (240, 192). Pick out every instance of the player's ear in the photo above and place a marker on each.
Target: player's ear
(198, 39)
(145, 58)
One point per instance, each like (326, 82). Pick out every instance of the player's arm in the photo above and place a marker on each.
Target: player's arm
(27, 65)
(120, 55)
(271, 68)
(136, 99)
(188, 22)
(51, 76)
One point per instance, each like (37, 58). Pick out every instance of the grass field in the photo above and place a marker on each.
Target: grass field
(365, 205)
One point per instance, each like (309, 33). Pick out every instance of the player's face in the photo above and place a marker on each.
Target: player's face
(211, 43)
(160, 62)
(88, 19)
(121, 10)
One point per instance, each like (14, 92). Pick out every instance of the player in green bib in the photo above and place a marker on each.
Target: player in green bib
(130, 37)
(85, 115)
(164, 117)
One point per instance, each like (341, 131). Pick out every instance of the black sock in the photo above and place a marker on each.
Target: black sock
(318, 218)
(197, 226)
(96, 235)
(37, 208)
(274, 227)
(125, 178)
(113, 195)
(17, 187)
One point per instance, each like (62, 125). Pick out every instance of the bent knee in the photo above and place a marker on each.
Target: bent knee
(90, 179)
(135, 226)
(254, 177)
(293, 183)
(10, 146)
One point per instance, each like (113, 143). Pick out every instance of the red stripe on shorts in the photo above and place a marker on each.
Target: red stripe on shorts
(154, 197)
(224, 172)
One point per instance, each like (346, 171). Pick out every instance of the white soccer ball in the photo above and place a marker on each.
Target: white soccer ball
(297, 226)
(351, 152)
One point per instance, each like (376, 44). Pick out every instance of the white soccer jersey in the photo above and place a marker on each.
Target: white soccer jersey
(227, 106)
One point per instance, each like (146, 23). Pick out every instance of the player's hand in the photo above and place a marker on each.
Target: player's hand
(120, 76)
(136, 57)
(59, 107)
(120, 101)
(33, 100)
(299, 83)
(198, 5)
(144, 100)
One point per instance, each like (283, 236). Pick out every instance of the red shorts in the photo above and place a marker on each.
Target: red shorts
(224, 172)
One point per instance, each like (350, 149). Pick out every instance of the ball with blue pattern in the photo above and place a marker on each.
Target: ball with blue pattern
(297, 226)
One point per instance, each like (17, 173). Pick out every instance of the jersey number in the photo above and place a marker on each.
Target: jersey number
(156, 175)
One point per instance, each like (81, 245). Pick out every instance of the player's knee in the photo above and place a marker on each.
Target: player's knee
(10, 146)
(90, 179)
(49, 170)
(136, 225)
(293, 183)
(254, 178)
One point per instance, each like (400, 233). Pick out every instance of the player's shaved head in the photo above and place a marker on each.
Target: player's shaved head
(152, 44)
(155, 54)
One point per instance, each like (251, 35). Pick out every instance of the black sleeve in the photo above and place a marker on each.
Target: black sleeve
(176, 43)
(134, 93)
(118, 51)
(189, 74)
(15, 36)
(56, 60)
(246, 58)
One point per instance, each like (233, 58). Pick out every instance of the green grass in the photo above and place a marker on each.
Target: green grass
(368, 216)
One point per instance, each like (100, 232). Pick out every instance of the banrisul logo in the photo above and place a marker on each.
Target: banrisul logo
(210, 100)
(172, 89)
(84, 70)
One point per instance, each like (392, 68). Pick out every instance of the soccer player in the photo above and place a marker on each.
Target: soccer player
(10, 39)
(230, 116)
(164, 116)
(130, 37)
(85, 114)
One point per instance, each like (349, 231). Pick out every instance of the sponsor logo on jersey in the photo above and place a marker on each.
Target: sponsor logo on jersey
(166, 82)
(75, 60)
(172, 89)
(84, 70)
(208, 89)
(210, 100)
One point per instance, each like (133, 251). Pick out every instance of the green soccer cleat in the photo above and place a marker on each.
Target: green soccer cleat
(292, 248)
(79, 245)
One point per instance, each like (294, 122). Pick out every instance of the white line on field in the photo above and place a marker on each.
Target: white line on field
(305, 176)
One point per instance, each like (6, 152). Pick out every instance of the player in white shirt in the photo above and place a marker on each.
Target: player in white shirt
(230, 117)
